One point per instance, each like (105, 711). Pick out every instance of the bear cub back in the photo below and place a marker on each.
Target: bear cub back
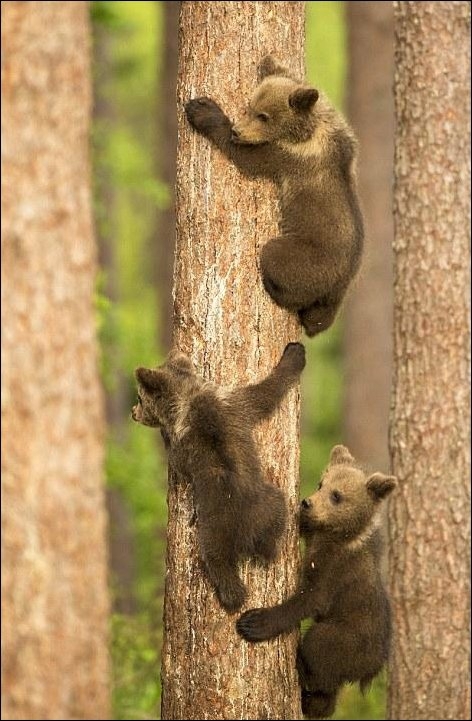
(290, 133)
(207, 431)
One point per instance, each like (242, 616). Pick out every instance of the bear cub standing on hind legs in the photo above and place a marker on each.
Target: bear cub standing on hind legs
(341, 588)
(208, 434)
(292, 135)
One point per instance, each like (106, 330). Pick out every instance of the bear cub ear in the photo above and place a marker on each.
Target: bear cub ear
(379, 486)
(339, 455)
(179, 362)
(303, 99)
(150, 379)
(268, 66)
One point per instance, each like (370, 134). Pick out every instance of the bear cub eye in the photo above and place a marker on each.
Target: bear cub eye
(335, 497)
(263, 116)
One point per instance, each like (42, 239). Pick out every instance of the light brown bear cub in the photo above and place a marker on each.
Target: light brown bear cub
(341, 588)
(208, 434)
(292, 135)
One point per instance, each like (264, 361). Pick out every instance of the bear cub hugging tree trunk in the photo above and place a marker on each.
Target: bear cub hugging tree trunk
(292, 135)
(341, 588)
(208, 434)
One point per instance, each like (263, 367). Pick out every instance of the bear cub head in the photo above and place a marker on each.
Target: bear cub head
(281, 109)
(347, 500)
(164, 391)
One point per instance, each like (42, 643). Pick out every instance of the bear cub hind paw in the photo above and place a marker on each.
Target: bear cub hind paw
(294, 356)
(231, 594)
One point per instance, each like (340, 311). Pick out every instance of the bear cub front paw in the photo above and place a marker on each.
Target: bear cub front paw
(254, 625)
(203, 113)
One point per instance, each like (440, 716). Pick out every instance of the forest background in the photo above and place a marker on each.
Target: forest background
(57, 569)
(134, 57)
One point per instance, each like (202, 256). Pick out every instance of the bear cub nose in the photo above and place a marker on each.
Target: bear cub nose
(235, 133)
(306, 503)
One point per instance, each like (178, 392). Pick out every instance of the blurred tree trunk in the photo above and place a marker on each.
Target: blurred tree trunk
(167, 151)
(120, 532)
(55, 605)
(226, 322)
(367, 324)
(430, 552)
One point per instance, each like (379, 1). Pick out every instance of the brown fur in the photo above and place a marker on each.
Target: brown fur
(208, 434)
(292, 135)
(341, 588)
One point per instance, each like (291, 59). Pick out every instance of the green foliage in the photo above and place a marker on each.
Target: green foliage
(135, 659)
(104, 14)
(321, 406)
(106, 330)
(326, 59)
(124, 168)
(322, 381)
(353, 705)
(136, 469)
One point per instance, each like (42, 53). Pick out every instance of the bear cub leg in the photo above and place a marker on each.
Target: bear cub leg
(318, 317)
(223, 576)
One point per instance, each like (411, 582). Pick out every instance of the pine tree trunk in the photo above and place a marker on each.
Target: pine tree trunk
(167, 155)
(226, 322)
(430, 551)
(55, 605)
(367, 327)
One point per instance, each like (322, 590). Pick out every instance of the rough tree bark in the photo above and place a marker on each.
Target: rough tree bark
(234, 333)
(166, 166)
(54, 588)
(367, 327)
(430, 550)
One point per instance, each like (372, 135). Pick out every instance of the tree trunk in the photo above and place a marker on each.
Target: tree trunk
(167, 152)
(234, 333)
(367, 327)
(55, 663)
(430, 422)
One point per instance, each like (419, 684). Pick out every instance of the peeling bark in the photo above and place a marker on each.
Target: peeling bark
(234, 333)
(54, 589)
(430, 424)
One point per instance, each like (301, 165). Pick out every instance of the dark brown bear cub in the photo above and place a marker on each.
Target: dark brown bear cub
(341, 588)
(292, 135)
(208, 433)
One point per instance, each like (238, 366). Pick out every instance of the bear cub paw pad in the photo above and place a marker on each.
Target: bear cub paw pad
(202, 111)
